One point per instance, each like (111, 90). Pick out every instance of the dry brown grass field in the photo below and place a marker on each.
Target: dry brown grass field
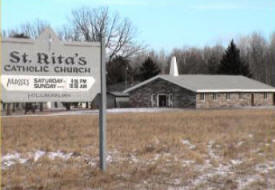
(214, 149)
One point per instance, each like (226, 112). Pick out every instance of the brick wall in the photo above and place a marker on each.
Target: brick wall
(141, 97)
(259, 99)
(236, 100)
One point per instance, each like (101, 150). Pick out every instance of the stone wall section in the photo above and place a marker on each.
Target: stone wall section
(259, 99)
(236, 100)
(181, 98)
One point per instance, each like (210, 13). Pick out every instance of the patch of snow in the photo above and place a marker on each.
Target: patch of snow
(22, 160)
(11, 159)
(240, 143)
(156, 140)
(134, 158)
(209, 172)
(38, 154)
(59, 154)
(157, 156)
(175, 158)
(141, 110)
(211, 151)
(261, 154)
(250, 136)
(179, 188)
(109, 158)
(189, 144)
(91, 162)
(9, 156)
(236, 162)
(246, 181)
(265, 167)
(257, 150)
(177, 182)
(187, 162)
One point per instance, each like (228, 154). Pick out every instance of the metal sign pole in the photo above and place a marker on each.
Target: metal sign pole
(102, 111)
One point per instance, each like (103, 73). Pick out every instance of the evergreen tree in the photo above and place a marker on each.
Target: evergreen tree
(117, 70)
(149, 69)
(21, 35)
(232, 64)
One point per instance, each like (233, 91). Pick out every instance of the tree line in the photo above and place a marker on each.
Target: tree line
(252, 56)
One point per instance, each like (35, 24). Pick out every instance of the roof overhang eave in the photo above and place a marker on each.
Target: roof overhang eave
(234, 90)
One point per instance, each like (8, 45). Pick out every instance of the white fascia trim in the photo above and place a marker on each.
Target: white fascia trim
(236, 90)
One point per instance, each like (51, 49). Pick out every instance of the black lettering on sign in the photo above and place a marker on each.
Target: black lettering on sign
(7, 67)
(24, 57)
(53, 58)
(15, 58)
(43, 58)
(69, 61)
(82, 61)
(17, 82)
(60, 59)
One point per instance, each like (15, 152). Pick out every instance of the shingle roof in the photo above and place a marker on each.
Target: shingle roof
(212, 83)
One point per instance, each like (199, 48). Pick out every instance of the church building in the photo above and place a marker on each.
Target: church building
(200, 91)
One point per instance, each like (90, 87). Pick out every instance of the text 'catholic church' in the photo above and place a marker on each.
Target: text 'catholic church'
(200, 91)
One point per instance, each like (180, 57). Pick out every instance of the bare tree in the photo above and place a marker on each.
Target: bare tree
(160, 58)
(243, 43)
(258, 58)
(190, 60)
(272, 59)
(90, 24)
(213, 56)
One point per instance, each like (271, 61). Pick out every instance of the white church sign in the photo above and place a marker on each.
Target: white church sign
(47, 69)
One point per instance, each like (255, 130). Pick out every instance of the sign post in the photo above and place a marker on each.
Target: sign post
(102, 111)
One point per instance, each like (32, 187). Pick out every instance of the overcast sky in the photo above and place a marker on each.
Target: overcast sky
(162, 24)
